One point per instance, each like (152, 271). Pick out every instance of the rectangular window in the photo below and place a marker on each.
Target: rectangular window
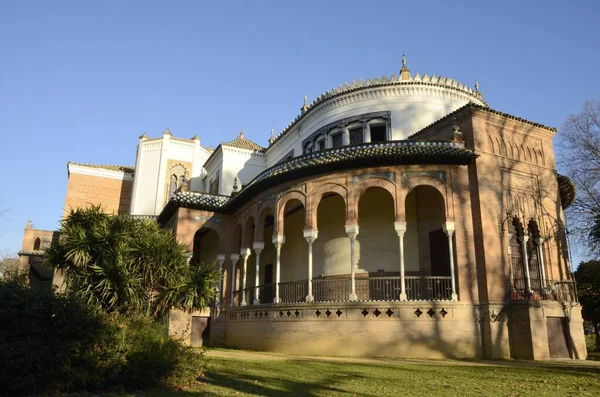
(356, 136)
(336, 140)
(378, 133)
(320, 146)
(214, 185)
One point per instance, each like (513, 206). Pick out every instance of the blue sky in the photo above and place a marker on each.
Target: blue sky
(81, 80)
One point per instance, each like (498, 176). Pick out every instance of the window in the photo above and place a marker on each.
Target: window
(320, 146)
(214, 185)
(356, 136)
(336, 140)
(378, 132)
(36, 244)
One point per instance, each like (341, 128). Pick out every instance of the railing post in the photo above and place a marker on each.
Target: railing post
(220, 261)
(524, 241)
(245, 253)
(258, 247)
(310, 235)
(278, 241)
(401, 229)
(352, 232)
(449, 230)
(234, 258)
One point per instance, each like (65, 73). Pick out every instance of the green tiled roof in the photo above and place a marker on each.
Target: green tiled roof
(312, 164)
(243, 143)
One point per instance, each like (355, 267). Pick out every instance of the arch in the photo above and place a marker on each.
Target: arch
(426, 245)
(248, 232)
(413, 183)
(265, 210)
(206, 245)
(317, 195)
(282, 203)
(360, 188)
(37, 243)
(377, 239)
(492, 147)
(503, 149)
(294, 254)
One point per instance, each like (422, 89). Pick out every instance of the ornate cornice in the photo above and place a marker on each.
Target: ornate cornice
(437, 87)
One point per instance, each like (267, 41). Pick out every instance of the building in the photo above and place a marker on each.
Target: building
(397, 216)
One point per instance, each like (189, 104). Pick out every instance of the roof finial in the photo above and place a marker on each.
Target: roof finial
(272, 138)
(476, 86)
(304, 107)
(404, 72)
(457, 135)
(235, 184)
(29, 224)
(241, 134)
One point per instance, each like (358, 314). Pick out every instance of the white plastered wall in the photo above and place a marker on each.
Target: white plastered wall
(152, 161)
(241, 163)
(411, 110)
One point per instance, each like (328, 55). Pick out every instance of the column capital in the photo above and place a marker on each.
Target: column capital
(352, 230)
(310, 235)
(539, 240)
(221, 258)
(258, 246)
(400, 228)
(245, 252)
(234, 258)
(448, 228)
(278, 239)
(525, 238)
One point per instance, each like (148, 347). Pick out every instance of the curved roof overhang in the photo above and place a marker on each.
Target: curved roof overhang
(330, 160)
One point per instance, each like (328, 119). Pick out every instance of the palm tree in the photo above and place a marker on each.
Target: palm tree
(128, 265)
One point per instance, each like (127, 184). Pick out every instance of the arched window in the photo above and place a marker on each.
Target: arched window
(36, 244)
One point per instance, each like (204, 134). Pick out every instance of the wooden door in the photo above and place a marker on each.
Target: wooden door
(557, 337)
(439, 253)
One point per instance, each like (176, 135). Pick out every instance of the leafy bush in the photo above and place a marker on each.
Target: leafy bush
(53, 342)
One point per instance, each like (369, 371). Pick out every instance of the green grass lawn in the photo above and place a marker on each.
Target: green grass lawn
(301, 377)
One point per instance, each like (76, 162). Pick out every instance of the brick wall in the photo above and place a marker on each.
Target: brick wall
(113, 195)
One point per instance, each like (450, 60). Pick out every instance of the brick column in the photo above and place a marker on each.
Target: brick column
(245, 253)
(449, 230)
(310, 235)
(234, 258)
(401, 229)
(352, 232)
(278, 242)
(258, 247)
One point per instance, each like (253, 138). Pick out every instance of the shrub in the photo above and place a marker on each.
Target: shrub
(53, 342)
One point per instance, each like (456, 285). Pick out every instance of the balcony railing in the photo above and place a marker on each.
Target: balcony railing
(551, 290)
(427, 288)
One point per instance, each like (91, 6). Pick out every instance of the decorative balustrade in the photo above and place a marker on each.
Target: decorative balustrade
(551, 290)
(428, 288)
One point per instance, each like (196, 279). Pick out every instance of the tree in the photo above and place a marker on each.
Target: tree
(580, 141)
(9, 265)
(128, 265)
(587, 276)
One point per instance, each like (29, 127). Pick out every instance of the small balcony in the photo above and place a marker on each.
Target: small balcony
(548, 290)
(338, 289)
